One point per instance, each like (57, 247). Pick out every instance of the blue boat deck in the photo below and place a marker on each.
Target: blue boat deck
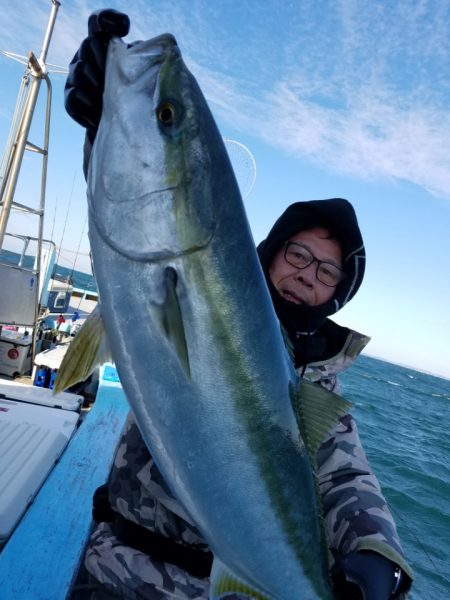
(42, 558)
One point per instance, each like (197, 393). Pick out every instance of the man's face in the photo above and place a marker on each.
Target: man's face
(301, 286)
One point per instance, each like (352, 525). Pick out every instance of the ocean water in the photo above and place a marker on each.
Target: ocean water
(83, 281)
(403, 418)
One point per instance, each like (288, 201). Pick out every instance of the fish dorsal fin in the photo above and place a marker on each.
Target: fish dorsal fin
(319, 411)
(224, 583)
(171, 321)
(88, 349)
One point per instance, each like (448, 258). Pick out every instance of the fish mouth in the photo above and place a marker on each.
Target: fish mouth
(146, 209)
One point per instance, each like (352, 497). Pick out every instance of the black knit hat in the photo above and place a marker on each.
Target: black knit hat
(338, 216)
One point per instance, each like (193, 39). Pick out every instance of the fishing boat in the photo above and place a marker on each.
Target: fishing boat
(55, 449)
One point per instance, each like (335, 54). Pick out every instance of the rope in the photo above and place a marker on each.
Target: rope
(78, 249)
(65, 223)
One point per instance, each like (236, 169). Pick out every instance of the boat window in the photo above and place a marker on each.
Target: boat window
(60, 301)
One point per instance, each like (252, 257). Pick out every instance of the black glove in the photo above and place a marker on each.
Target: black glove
(83, 93)
(86, 79)
(364, 576)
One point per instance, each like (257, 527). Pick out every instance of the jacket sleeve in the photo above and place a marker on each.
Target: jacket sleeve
(356, 515)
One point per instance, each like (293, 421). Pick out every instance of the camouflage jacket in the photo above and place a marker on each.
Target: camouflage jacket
(355, 511)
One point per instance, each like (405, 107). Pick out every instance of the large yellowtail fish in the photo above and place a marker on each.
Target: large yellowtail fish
(193, 332)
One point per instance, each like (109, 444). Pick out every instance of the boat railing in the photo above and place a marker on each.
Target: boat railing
(21, 288)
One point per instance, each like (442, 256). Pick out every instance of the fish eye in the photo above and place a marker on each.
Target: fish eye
(167, 114)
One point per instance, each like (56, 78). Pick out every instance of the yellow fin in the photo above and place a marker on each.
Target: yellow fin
(171, 321)
(88, 349)
(223, 583)
(319, 411)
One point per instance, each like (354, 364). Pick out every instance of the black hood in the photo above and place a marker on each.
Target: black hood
(338, 216)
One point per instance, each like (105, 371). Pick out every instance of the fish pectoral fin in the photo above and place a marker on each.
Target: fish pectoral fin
(319, 411)
(224, 583)
(171, 321)
(88, 349)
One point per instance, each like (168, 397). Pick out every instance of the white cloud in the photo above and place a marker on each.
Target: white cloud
(372, 137)
(360, 88)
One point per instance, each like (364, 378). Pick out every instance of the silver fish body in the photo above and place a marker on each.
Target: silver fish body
(192, 328)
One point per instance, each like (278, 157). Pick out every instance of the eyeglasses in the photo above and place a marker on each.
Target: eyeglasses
(300, 257)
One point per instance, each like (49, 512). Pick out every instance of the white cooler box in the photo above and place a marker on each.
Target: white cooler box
(33, 394)
(32, 437)
(15, 353)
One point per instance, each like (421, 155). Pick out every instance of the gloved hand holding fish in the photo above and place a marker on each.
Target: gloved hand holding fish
(182, 301)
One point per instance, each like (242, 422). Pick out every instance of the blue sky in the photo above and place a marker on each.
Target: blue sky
(333, 99)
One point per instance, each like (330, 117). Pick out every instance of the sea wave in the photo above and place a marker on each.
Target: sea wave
(402, 417)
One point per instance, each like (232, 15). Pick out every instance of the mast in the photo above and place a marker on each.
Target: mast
(35, 71)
